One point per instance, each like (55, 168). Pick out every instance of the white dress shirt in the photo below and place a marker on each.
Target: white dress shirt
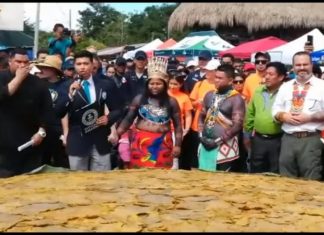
(92, 89)
(314, 102)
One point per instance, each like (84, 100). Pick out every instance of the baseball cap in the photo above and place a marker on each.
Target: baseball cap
(264, 54)
(173, 60)
(248, 66)
(120, 61)
(205, 55)
(212, 65)
(68, 64)
(191, 63)
(140, 55)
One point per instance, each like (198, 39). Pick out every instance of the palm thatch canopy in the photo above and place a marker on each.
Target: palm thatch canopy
(255, 16)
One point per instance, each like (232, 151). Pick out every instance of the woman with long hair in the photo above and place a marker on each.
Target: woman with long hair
(151, 139)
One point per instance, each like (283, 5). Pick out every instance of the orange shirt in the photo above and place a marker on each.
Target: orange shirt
(198, 93)
(184, 104)
(250, 84)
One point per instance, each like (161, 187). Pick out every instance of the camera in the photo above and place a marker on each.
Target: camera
(66, 32)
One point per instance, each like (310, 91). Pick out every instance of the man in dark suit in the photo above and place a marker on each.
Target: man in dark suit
(93, 107)
(25, 105)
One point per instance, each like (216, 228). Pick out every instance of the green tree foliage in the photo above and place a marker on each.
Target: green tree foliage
(95, 18)
(150, 24)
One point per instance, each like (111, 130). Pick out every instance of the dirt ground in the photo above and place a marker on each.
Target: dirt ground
(160, 200)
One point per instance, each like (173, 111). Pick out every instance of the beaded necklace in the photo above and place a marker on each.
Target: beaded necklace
(299, 98)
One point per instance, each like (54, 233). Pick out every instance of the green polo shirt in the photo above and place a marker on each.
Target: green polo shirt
(258, 115)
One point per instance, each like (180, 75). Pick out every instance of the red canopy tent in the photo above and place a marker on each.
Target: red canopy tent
(168, 43)
(245, 50)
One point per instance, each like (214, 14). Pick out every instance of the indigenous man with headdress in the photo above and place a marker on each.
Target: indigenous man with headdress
(151, 140)
(220, 123)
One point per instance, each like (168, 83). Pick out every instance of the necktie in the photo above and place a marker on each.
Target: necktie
(86, 89)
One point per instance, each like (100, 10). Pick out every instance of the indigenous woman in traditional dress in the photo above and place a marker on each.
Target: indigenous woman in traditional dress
(220, 122)
(151, 139)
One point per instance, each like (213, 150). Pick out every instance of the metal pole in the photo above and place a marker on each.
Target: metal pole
(70, 19)
(36, 33)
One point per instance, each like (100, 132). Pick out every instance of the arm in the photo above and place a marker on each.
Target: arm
(65, 127)
(130, 116)
(250, 116)
(14, 84)
(202, 116)
(238, 112)
(176, 119)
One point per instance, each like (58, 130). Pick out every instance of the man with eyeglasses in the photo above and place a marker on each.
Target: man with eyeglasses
(203, 59)
(254, 80)
(68, 69)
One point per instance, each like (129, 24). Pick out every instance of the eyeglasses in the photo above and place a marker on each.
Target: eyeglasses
(238, 82)
(261, 61)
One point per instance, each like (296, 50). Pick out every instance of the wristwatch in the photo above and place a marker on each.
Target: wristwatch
(42, 132)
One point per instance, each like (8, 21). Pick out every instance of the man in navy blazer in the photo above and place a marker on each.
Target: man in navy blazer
(93, 106)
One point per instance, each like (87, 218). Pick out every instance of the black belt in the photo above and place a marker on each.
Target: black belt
(266, 136)
(303, 134)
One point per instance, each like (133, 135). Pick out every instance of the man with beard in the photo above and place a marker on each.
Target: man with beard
(25, 104)
(299, 106)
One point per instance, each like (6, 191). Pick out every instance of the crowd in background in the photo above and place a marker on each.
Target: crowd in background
(86, 113)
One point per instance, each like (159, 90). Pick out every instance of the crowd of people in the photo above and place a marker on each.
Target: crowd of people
(84, 113)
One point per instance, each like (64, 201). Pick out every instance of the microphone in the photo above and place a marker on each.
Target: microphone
(79, 80)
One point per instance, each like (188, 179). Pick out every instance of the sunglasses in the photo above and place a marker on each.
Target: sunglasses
(238, 82)
(261, 61)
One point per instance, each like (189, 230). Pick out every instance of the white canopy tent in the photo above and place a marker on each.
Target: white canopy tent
(148, 47)
(285, 52)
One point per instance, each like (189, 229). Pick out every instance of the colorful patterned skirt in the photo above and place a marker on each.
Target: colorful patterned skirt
(151, 150)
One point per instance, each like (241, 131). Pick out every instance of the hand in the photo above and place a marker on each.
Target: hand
(22, 72)
(289, 118)
(113, 138)
(74, 86)
(38, 139)
(176, 151)
(63, 139)
(175, 165)
(209, 144)
(247, 143)
(302, 118)
(184, 132)
(102, 121)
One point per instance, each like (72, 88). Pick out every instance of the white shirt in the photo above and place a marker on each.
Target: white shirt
(314, 102)
(92, 89)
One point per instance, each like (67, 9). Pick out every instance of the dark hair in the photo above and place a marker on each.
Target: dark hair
(4, 62)
(164, 98)
(280, 68)
(228, 70)
(42, 50)
(20, 51)
(239, 74)
(238, 60)
(302, 53)
(317, 71)
(229, 55)
(82, 54)
(179, 79)
(58, 25)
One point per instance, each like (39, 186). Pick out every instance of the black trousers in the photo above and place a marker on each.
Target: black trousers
(54, 153)
(189, 151)
(265, 154)
(13, 162)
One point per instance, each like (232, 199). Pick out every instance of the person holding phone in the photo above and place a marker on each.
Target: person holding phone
(309, 47)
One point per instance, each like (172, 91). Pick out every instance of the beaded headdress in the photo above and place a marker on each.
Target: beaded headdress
(158, 65)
